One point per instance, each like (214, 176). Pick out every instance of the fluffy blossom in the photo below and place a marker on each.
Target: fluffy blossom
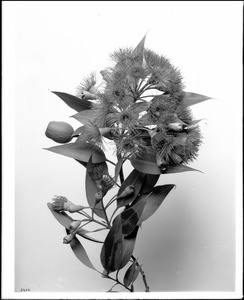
(143, 92)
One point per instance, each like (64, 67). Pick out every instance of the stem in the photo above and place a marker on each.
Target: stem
(105, 213)
(111, 201)
(94, 220)
(121, 174)
(118, 282)
(143, 275)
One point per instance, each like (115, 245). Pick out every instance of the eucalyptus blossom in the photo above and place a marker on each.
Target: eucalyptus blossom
(137, 106)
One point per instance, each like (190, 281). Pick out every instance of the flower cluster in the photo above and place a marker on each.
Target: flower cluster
(142, 102)
(139, 106)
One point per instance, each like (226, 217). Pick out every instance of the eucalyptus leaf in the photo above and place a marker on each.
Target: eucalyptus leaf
(78, 131)
(112, 250)
(146, 164)
(179, 169)
(139, 51)
(61, 217)
(130, 217)
(80, 253)
(73, 101)
(91, 190)
(86, 116)
(128, 244)
(80, 151)
(135, 179)
(118, 168)
(154, 200)
(148, 183)
(129, 274)
(193, 98)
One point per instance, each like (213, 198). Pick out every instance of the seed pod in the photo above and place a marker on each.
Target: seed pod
(60, 132)
(68, 238)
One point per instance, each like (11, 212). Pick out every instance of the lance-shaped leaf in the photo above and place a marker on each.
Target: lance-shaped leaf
(179, 169)
(118, 168)
(128, 244)
(61, 217)
(146, 164)
(91, 190)
(131, 216)
(154, 200)
(112, 250)
(148, 183)
(80, 151)
(193, 98)
(135, 179)
(131, 273)
(139, 51)
(80, 253)
(86, 116)
(73, 101)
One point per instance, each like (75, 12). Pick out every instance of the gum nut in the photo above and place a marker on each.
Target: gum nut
(68, 238)
(60, 132)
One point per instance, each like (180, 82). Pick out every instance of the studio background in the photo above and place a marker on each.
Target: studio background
(189, 244)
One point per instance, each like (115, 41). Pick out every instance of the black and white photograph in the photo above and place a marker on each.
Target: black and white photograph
(122, 149)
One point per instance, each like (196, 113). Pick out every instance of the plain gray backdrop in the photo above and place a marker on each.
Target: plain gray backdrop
(189, 245)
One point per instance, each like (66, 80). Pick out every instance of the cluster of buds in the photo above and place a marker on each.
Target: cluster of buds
(73, 228)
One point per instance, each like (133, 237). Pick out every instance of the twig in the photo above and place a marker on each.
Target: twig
(143, 275)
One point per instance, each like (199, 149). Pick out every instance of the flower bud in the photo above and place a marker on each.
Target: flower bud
(60, 132)
(68, 238)
(127, 191)
(87, 96)
(74, 225)
(177, 127)
(98, 197)
(72, 207)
